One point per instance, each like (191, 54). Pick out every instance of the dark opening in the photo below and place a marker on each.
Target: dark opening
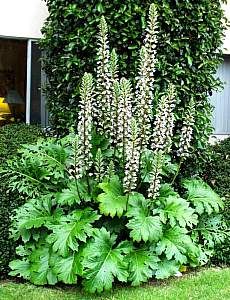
(13, 61)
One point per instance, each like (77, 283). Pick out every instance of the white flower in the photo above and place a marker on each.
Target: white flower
(102, 109)
(132, 159)
(114, 65)
(164, 122)
(184, 147)
(99, 166)
(145, 79)
(85, 125)
(143, 100)
(124, 115)
(155, 183)
(115, 113)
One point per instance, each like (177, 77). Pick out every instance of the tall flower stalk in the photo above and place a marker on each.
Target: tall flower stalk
(184, 147)
(164, 122)
(85, 125)
(125, 121)
(99, 166)
(186, 136)
(145, 79)
(74, 167)
(162, 138)
(103, 88)
(114, 130)
(155, 183)
(132, 157)
(143, 101)
(114, 69)
(150, 43)
(124, 116)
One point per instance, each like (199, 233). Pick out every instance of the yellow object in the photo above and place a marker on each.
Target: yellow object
(183, 269)
(4, 107)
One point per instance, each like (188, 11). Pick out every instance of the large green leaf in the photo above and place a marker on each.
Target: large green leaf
(20, 267)
(177, 244)
(176, 210)
(76, 192)
(27, 172)
(143, 226)
(41, 167)
(103, 262)
(167, 190)
(212, 230)
(169, 168)
(202, 196)
(42, 262)
(167, 268)
(112, 202)
(34, 214)
(142, 263)
(147, 164)
(68, 268)
(56, 154)
(71, 230)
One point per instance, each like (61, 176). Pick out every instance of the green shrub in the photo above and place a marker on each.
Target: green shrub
(188, 52)
(216, 171)
(11, 138)
(72, 229)
(101, 205)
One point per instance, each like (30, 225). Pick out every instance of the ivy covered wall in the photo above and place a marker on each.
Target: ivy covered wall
(188, 52)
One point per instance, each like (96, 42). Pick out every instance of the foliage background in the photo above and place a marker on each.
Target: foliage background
(216, 171)
(21, 134)
(189, 51)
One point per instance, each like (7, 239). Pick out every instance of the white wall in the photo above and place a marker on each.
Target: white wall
(22, 18)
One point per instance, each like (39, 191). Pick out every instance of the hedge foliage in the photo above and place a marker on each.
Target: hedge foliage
(11, 138)
(188, 52)
(217, 174)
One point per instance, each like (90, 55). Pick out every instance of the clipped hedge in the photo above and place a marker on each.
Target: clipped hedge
(216, 172)
(11, 138)
(188, 52)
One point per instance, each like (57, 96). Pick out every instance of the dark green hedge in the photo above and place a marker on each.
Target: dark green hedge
(190, 37)
(216, 172)
(11, 138)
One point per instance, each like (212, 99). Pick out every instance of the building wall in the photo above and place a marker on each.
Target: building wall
(221, 101)
(22, 18)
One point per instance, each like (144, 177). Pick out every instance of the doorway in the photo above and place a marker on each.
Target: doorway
(21, 81)
(13, 66)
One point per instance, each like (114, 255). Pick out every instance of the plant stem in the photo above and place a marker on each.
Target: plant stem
(88, 185)
(78, 192)
(178, 170)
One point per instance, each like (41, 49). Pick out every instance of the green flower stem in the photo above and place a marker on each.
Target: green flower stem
(178, 170)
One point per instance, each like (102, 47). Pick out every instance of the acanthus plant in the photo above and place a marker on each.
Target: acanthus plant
(100, 206)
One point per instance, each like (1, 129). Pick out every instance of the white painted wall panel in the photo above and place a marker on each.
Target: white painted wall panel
(221, 101)
(22, 18)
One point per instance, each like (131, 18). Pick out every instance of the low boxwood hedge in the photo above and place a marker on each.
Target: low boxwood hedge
(11, 138)
(216, 172)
